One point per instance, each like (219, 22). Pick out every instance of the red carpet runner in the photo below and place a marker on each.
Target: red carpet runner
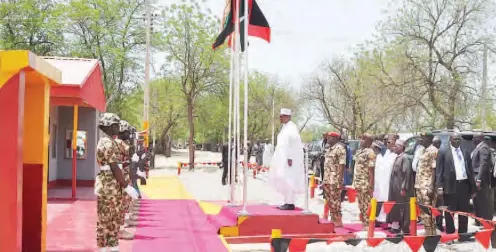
(175, 225)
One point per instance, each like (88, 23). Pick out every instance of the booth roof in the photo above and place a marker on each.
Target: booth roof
(81, 83)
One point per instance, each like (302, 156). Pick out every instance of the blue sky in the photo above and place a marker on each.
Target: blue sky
(304, 33)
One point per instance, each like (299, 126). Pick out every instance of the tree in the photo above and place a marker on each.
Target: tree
(189, 33)
(367, 93)
(166, 107)
(34, 25)
(110, 32)
(442, 40)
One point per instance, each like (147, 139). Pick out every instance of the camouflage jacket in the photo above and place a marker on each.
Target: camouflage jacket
(107, 151)
(426, 169)
(335, 156)
(124, 150)
(364, 160)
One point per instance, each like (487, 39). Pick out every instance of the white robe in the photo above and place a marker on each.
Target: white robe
(267, 155)
(382, 175)
(288, 180)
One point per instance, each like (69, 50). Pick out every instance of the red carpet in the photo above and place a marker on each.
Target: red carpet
(74, 227)
(175, 225)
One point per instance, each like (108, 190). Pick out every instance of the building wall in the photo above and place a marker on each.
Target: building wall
(88, 120)
(52, 152)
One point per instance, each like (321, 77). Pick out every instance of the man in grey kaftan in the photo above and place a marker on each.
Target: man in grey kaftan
(400, 190)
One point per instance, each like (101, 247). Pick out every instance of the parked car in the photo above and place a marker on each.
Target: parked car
(315, 151)
(466, 144)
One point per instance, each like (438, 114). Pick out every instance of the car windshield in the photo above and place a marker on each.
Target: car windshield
(445, 141)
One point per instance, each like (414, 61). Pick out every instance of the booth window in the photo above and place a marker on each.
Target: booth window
(81, 146)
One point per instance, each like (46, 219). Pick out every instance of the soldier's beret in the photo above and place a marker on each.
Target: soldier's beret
(333, 134)
(427, 133)
(487, 138)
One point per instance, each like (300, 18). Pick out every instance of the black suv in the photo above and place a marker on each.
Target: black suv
(315, 151)
(412, 142)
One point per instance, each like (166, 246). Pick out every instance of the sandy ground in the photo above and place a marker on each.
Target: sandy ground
(204, 184)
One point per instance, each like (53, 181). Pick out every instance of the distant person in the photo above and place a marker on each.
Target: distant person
(347, 171)
(455, 182)
(334, 171)
(425, 181)
(400, 190)
(225, 162)
(436, 142)
(259, 150)
(482, 166)
(382, 173)
(363, 180)
(268, 152)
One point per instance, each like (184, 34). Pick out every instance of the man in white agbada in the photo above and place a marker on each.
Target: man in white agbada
(286, 172)
(383, 168)
(268, 152)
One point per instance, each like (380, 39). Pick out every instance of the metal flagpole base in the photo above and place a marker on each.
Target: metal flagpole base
(243, 212)
(306, 212)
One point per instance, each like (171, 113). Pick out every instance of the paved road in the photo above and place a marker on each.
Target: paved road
(204, 184)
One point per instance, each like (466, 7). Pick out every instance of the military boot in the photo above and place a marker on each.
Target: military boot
(133, 217)
(125, 235)
(131, 223)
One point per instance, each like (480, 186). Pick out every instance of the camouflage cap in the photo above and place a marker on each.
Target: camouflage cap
(107, 119)
(427, 134)
(125, 126)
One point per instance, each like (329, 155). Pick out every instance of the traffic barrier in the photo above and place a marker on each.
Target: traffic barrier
(312, 185)
(256, 168)
(180, 165)
(484, 237)
(372, 214)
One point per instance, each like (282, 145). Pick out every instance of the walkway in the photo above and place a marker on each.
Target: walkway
(169, 217)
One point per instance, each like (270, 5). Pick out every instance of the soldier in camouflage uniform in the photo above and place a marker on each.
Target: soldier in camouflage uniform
(109, 184)
(425, 181)
(124, 144)
(364, 176)
(334, 166)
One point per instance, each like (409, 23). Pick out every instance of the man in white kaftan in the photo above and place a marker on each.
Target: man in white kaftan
(268, 152)
(286, 172)
(382, 172)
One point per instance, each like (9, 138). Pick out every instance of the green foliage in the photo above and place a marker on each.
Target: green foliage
(107, 30)
(34, 25)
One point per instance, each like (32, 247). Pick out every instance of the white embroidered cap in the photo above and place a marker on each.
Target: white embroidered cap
(285, 111)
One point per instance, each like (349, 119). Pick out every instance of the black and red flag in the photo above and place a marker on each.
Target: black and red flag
(257, 26)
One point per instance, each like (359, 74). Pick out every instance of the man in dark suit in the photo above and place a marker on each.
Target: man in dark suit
(225, 162)
(482, 164)
(455, 182)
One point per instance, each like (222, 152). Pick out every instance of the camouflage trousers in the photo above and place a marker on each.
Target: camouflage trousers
(332, 194)
(126, 199)
(364, 197)
(426, 199)
(108, 211)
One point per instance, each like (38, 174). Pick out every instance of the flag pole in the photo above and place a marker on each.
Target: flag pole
(235, 161)
(238, 82)
(245, 128)
(229, 142)
(273, 120)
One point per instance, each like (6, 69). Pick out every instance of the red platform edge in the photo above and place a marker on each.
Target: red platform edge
(262, 219)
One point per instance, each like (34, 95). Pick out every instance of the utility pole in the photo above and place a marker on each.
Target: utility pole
(146, 98)
(484, 91)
